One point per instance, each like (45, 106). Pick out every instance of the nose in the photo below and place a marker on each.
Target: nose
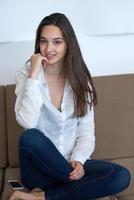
(49, 46)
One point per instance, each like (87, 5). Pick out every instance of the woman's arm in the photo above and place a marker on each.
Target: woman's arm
(29, 100)
(85, 141)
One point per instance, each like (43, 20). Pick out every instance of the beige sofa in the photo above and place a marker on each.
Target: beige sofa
(114, 118)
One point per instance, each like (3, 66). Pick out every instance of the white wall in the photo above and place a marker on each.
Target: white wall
(104, 28)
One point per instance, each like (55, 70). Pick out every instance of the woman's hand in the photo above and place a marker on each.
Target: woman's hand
(78, 171)
(37, 61)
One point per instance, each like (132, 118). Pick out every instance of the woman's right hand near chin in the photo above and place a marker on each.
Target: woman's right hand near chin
(37, 61)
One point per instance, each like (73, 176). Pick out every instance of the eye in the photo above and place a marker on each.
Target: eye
(57, 42)
(42, 41)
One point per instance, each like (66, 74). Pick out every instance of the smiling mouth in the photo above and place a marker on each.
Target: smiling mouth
(49, 56)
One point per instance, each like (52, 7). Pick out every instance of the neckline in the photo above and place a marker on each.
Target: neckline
(60, 110)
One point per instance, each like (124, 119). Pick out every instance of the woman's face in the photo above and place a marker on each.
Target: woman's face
(52, 44)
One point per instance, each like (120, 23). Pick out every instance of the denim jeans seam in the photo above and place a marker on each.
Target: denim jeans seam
(57, 196)
(30, 150)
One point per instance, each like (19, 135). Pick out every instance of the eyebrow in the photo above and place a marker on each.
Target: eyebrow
(57, 38)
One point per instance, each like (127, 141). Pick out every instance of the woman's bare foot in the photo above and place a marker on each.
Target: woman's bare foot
(36, 190)
(27, 196)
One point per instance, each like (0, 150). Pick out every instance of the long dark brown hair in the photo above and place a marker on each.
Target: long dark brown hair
(75, 69)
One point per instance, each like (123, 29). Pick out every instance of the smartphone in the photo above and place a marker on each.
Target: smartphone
(15, 185)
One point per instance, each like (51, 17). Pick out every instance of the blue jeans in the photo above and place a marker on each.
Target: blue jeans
(43, 166)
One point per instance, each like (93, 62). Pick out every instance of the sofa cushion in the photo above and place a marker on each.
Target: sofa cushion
(13, 128)
(3, 139)
(104, 198)
(127, 198)
(114, 117)
(10, 173)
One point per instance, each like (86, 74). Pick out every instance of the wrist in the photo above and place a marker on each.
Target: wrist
(33, 75)
(77, 162)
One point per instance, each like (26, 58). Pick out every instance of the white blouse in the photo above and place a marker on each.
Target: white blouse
(74, 137)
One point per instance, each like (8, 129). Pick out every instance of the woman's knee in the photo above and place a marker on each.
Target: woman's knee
(124, 177)
(121, 178)
(31, 137)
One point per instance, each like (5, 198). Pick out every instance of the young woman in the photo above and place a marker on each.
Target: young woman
(55, 98)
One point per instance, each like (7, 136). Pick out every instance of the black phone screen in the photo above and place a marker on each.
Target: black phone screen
(15, 184)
